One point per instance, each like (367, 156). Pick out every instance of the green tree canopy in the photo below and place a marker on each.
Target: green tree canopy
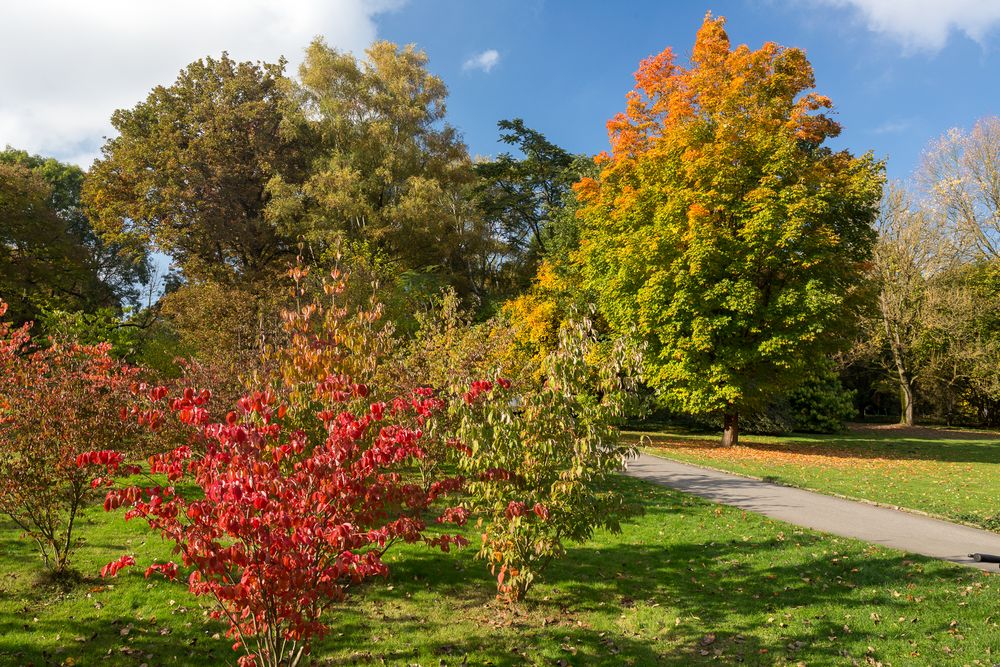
(49, 255)
(722, 230)
(188, 171)
(387, 174)
(118, 270)
(233, 166)
(520, 197)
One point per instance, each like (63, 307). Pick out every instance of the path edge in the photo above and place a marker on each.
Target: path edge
(874, 503)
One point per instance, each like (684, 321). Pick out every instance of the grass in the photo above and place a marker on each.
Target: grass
(688, 583)
(948, 473)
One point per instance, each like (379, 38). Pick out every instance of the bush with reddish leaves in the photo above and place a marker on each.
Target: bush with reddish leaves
(302, 487)
(297, 501)
(56, 401)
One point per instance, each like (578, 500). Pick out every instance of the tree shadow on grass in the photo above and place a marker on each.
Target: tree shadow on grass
(445, 606)
(439, 608)
(733, 585)
(426, 604)
(468, 626)
(737, 584)
(107, 635)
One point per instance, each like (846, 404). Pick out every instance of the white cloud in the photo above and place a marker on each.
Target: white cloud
(71, 63)
(926, 25)
(893, 126)
(484, 61)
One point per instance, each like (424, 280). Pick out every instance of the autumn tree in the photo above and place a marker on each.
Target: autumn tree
(301, 488)
(539, 459)
(188, 171)
(723, 229)
(934, 263)
(960, 177)
(56, 401)
(187, 175)
(909, 253)
(234, 169)
(960, 348)
(388, 180)
(283, 527)
(451, 350)
(961, 172)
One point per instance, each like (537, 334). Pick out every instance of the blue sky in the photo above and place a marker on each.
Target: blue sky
(565, 66)
(901, 72)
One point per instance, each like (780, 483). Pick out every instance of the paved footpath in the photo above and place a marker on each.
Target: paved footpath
(908, 532)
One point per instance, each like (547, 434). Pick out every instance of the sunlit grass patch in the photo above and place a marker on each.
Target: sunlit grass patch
(688, 582)
(952, 474)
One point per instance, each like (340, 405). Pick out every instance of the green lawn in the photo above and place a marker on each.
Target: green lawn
(948, 473)
(688, 583)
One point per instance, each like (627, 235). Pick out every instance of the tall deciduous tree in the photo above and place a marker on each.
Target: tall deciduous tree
(188, 171)
(114, 274)
(935, 263)
(723, 229)
(961, 347)
(907, 256)
(43, 264)
(387, 174)
(962, 173)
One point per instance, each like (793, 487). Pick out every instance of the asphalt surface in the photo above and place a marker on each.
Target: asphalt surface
(905, 531)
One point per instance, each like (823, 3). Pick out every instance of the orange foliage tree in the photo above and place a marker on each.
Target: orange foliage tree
(723, 229)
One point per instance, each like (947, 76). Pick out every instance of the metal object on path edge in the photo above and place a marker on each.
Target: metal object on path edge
(984, 558)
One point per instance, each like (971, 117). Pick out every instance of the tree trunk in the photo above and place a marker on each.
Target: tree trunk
(906, 400)
(731, 429)
(905, 379)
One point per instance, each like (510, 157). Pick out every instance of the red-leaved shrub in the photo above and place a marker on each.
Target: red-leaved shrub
(56, 401)
(296, 502)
